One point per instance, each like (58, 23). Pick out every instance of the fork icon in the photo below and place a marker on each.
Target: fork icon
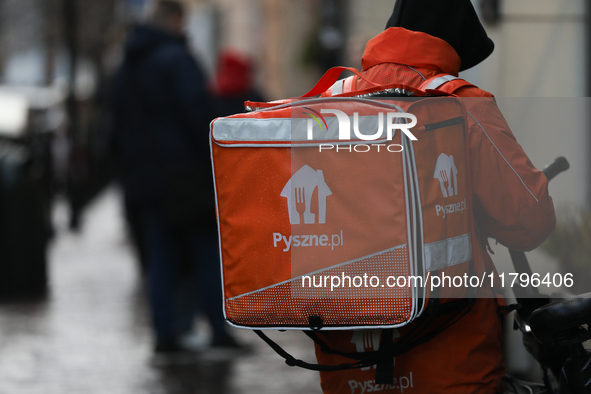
(300, 200)
(303, 205)
(446, 172)
(445, 178)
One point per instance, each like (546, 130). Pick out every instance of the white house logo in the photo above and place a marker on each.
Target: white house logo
(447, 173)
(299, 191)
(369, 340)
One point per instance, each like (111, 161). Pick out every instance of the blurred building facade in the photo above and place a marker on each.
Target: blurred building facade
(541, 52)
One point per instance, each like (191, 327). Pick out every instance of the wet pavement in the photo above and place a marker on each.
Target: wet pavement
(92, 334)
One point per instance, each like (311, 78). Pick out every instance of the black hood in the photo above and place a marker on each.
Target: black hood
(454, 21)
(144, 39)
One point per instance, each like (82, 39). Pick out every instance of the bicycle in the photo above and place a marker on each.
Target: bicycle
(554, 328)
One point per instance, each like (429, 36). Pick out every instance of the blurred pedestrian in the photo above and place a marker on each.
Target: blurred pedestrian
(233, 83)
(162, 112)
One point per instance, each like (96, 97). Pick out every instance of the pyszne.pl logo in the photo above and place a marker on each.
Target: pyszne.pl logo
(390, 121)
(299, 192)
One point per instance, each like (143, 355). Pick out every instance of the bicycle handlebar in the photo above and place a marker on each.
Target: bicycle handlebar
(559, 165)
(526, 295)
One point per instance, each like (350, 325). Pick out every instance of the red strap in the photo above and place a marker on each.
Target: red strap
(330, 77)
(258, 104)
(452, 86)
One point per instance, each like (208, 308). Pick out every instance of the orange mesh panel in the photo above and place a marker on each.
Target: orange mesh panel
(289, 304)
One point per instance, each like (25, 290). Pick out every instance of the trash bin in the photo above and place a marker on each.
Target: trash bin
(24, 230)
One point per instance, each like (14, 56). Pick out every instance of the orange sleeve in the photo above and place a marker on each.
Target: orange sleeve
(511, 200)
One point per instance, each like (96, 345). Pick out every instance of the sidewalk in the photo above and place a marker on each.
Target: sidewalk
(93, 336)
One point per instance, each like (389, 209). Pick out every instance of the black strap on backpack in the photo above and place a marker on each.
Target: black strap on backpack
(385, 365)
(388, 349)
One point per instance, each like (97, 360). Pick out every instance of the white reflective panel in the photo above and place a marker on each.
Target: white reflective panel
(437, 82)
(296, 129)
(337, 88)
(449, 252)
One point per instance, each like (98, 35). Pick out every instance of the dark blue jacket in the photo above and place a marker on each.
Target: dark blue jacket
(161, 112)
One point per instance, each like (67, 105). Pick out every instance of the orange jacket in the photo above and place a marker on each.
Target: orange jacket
(511, 204)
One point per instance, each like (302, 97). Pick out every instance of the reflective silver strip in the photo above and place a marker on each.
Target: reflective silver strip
(337, 87)
(291, 129)
(307, 328)
(501, 154)
(437, 82)
(447, 253)
(420, 249)
(215, 191)
(248, 129)
(411, 206)
(422, 76)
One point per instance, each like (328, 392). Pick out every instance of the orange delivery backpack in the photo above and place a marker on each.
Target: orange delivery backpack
(343, 212)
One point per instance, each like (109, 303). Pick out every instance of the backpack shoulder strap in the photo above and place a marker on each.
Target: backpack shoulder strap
(341, 86)
(444, 83)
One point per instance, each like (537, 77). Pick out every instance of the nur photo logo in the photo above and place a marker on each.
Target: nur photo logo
(380, 127)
